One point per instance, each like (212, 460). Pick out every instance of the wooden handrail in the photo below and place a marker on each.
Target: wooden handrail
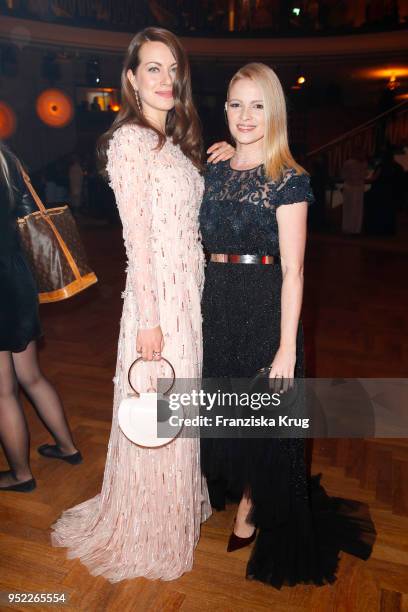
(357, 129)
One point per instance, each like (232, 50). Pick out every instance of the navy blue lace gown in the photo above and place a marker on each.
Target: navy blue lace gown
(301, 531)
(19, 317)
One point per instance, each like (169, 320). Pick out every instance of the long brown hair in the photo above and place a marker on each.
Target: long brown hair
(182, 123)
(277, 155)
(7, 158)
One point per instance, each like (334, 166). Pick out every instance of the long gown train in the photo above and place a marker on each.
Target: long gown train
(301, 530)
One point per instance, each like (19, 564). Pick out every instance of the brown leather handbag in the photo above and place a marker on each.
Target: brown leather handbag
(54, 250)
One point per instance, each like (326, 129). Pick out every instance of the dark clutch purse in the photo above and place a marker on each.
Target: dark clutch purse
(292, 398)
(261, 382)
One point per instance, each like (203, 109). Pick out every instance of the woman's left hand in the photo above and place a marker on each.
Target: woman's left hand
(283, 369)
(220, 151)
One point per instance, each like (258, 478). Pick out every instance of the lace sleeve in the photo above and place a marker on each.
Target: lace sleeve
(129, 176)
(294, 188)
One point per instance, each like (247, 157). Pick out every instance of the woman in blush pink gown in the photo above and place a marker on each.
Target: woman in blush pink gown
(146, 520)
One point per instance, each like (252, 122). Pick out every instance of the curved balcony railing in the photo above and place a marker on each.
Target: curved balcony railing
(390, 127)
(219, 17)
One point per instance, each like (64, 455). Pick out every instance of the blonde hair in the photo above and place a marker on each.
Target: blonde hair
(277, 155)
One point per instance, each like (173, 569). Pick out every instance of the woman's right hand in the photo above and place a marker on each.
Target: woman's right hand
(220, 151)
(150, 341)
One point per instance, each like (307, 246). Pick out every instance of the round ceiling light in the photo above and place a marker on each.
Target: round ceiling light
(54, 108)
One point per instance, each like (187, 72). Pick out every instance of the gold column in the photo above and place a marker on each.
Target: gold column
(358, 15)
(231, 15)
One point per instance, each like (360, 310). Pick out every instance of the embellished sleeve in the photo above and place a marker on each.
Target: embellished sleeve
(294, 188)
(129, 176)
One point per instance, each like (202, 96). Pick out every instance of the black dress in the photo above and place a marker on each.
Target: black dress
(300, 529)
(19, 320)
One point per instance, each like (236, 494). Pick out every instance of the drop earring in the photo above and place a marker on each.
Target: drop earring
(138, 102)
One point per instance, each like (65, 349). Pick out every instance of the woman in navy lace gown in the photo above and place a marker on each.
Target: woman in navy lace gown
(256, 204)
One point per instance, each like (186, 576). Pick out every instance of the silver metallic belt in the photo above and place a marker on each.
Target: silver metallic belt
(244, 259)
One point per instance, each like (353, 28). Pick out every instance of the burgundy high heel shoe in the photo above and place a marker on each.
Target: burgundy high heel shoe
(235, 542)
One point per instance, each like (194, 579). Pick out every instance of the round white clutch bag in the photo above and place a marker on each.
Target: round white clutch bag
(142, 415)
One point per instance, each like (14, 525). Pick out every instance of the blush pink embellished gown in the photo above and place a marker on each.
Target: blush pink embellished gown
(146, 519)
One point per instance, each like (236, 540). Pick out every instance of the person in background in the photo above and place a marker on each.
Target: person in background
(76, 178)
(51, 188)
(19, 330)
(403, 11)
(83, 106)
(353, 173)
(312, 11)
(56, 183)
(320, 181)
(95, 106)
(401, 157)
(385, 197)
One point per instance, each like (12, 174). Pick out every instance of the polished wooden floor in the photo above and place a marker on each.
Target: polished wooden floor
(355, 324)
